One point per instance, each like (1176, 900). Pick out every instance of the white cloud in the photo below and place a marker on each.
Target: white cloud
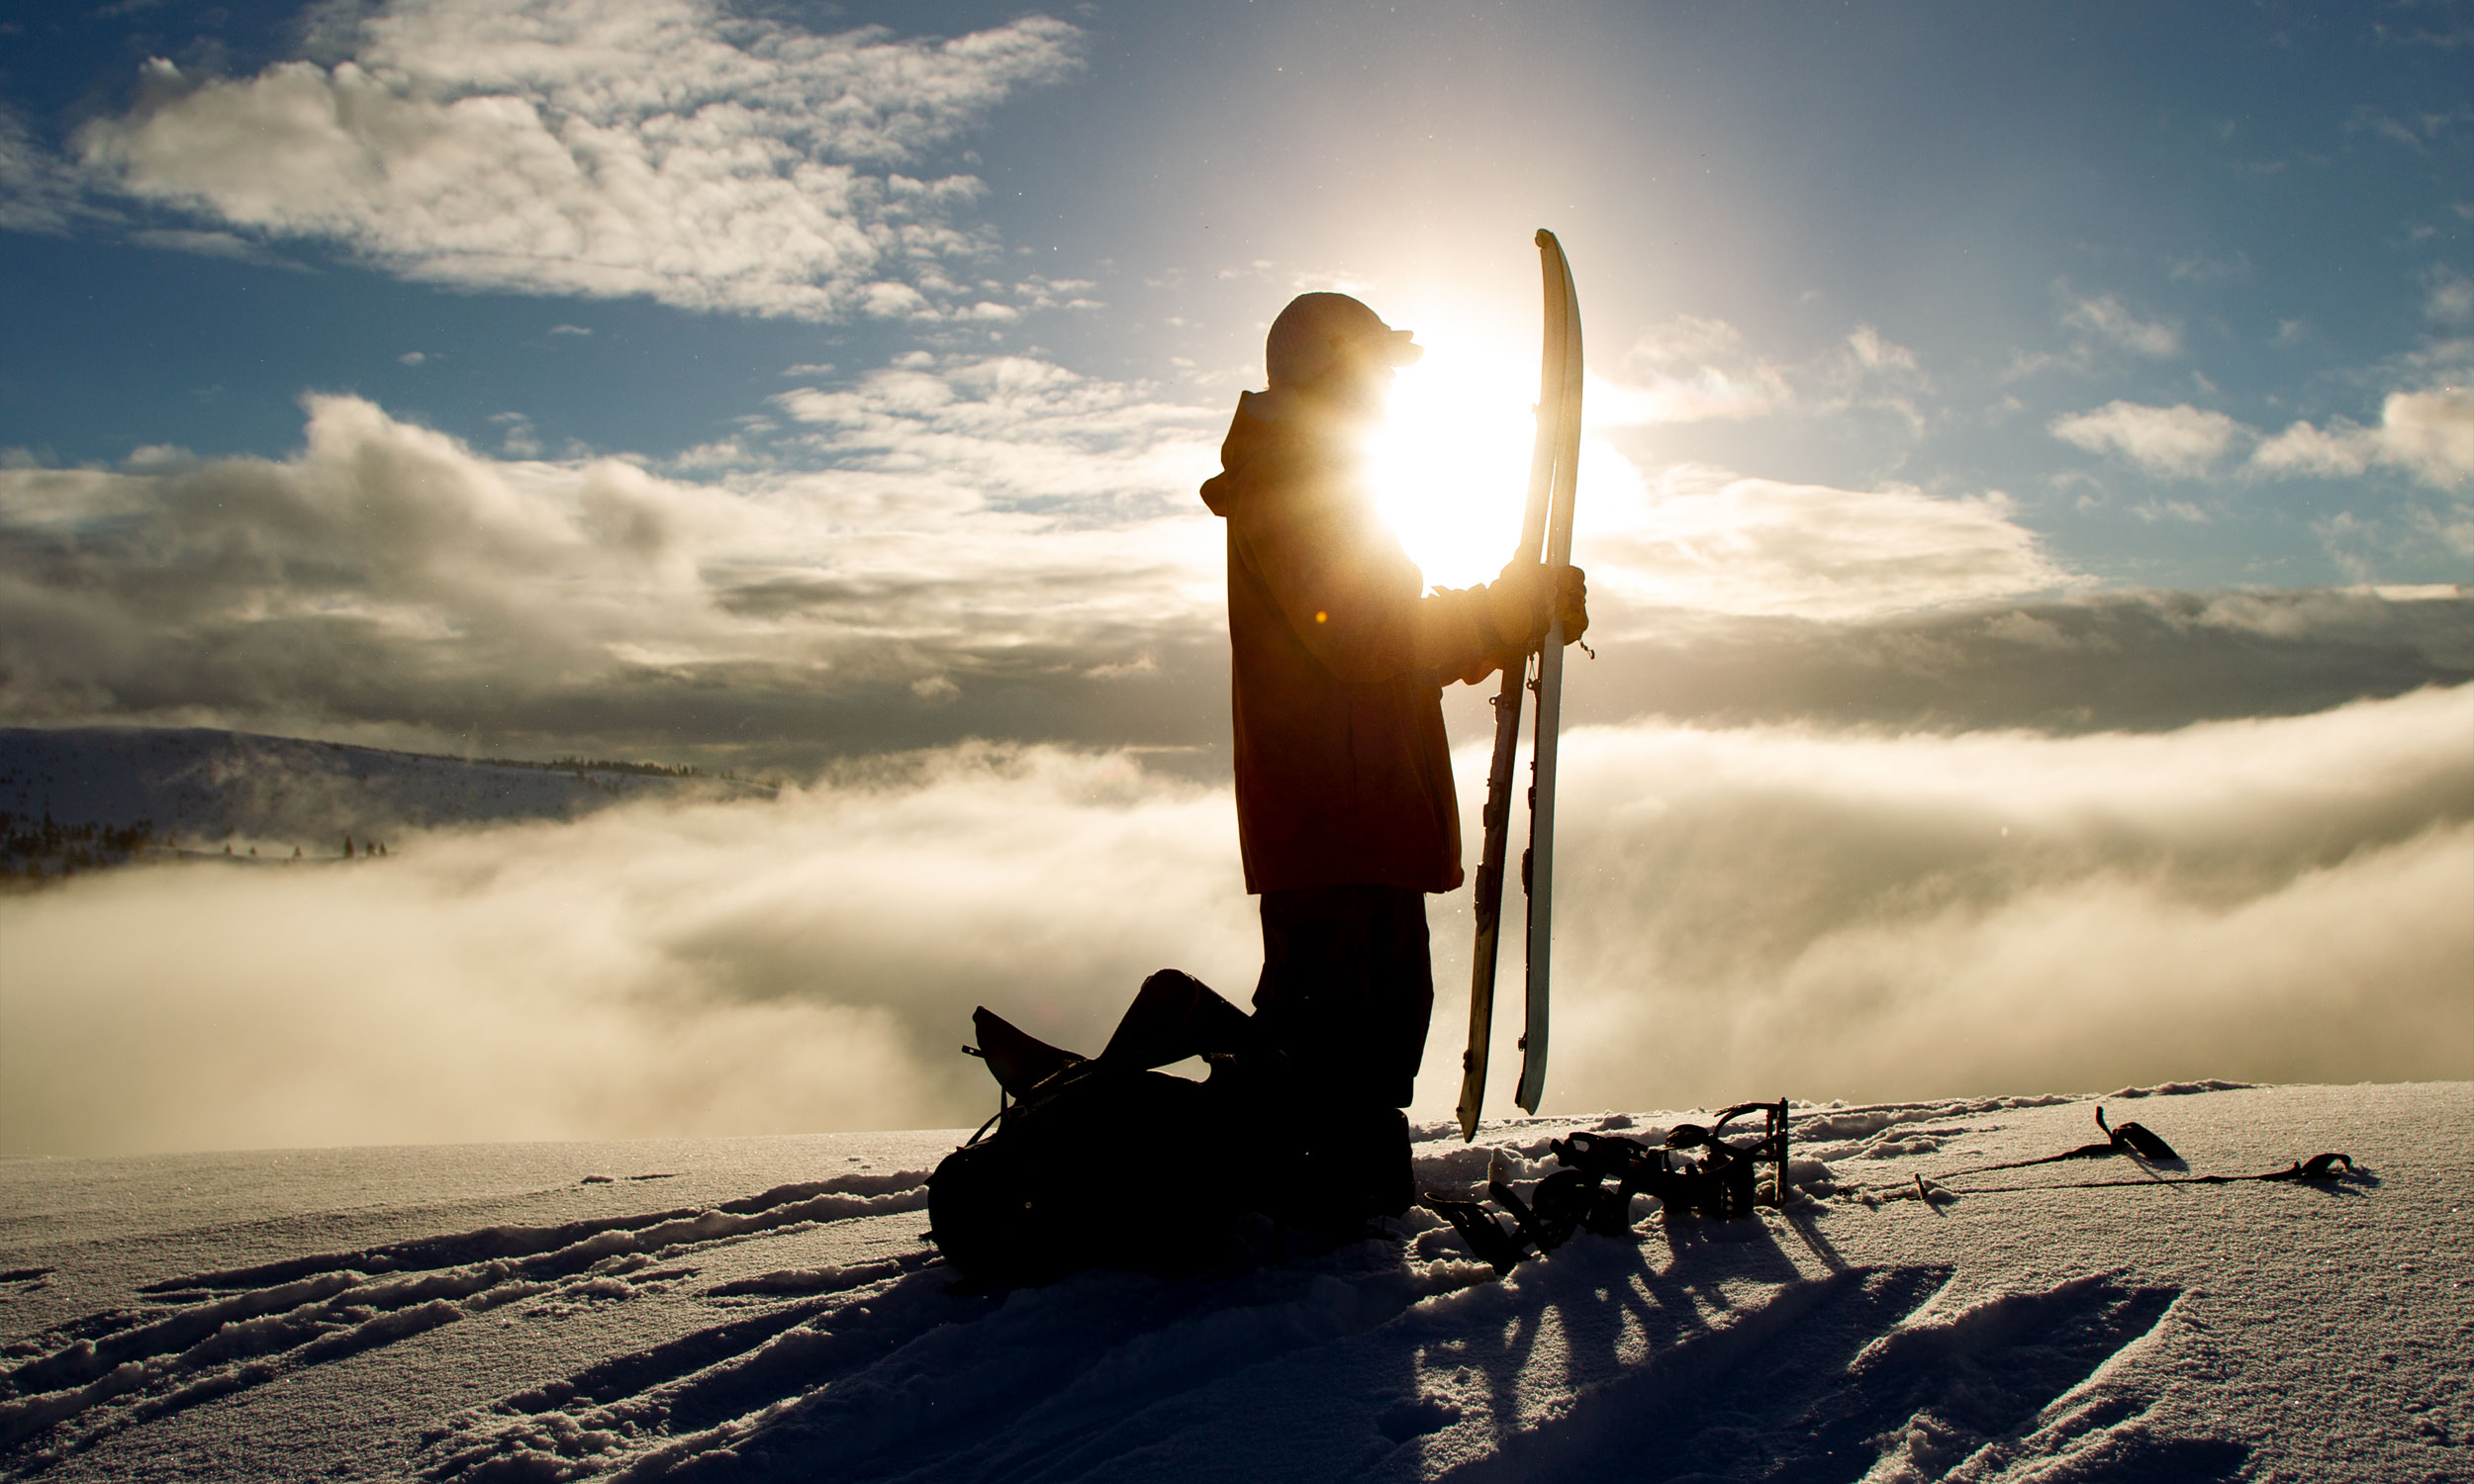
(601, 148)
(212, 245)
(1706, 539)
(2342, 449)
(2198, 267)
(985, 521)
(2100, 324)
(1753, 911)
(1692, 369)
(2450, 299)
(1872, 350)
(2113, 322)
(2183, 441)
(2428, 434)
(2153, 510)
(2416, 132)
(38, 192)
(517, 436)
(1011, 431)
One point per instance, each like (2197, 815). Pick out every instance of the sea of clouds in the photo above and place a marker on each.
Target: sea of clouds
(1742, 912)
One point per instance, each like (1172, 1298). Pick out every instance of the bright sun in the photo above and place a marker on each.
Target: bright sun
(1450, 465)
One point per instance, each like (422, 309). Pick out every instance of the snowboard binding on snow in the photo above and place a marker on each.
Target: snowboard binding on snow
(1696, 1172)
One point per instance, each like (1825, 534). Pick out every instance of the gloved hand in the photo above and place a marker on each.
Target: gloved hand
(1572, 601)
(1527, 594)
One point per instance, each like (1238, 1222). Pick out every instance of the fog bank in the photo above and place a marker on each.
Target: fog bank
(1744, 912)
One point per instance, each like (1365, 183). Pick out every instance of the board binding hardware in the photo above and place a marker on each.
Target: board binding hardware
(1695, 1171)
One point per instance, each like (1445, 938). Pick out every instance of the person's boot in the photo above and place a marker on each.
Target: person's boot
(1373, 1161)
(1352, 1163)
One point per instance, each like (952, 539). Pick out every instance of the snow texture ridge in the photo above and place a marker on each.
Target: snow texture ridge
(242, 1327)
(806, 1329)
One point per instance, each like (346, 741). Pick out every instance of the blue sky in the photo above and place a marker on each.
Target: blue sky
(934, 313)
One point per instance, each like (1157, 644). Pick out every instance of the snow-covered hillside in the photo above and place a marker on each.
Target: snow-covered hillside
(200, 789)
(766, 1309)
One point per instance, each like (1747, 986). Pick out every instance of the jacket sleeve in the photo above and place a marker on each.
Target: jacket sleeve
(1353, 597)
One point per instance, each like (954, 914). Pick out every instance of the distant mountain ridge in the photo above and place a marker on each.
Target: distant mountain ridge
(201, 788)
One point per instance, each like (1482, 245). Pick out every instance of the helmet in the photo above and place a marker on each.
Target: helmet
(1306, 340)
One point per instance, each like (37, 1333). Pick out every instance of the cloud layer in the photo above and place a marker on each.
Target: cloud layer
(2428, 434)
(1784, 910)
(1704, 538)
(1743, 912)
(1000, 548)
(389, 575)
(808, 964)
(945, 547)
(1693, 369)
(2098, 662)
(2181, 440)
(602, 147)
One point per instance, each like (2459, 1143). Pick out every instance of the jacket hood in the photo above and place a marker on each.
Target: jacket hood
(1271, 433)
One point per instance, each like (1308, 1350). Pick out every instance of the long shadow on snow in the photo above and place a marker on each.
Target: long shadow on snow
(1021, 1390)
(1816, 1399)
(2167, 1461)
(1311, 1369)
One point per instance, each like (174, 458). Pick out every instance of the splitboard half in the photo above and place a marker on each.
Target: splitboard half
(1552, 462)
(1538, 866)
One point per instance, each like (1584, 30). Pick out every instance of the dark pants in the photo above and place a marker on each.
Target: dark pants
(1347, 989)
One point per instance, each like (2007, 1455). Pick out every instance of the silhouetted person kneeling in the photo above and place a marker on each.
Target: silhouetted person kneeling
(1346, 812)
(1346, 819)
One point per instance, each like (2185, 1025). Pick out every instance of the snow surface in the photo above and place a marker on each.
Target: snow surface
(766, 1308)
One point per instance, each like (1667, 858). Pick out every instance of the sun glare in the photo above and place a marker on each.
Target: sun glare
(1450, 465)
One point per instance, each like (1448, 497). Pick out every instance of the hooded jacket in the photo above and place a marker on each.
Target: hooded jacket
(1339, 658)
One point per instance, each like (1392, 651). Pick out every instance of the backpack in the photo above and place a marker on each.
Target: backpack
(1106, 1162)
